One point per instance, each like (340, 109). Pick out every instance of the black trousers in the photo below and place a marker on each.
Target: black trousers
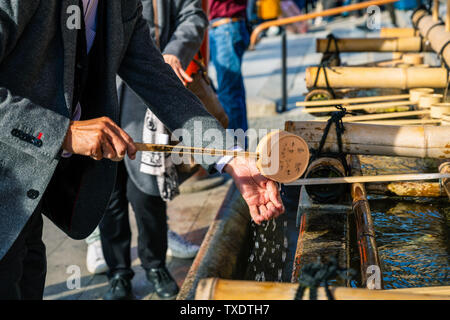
(24, 267)
(115, 232)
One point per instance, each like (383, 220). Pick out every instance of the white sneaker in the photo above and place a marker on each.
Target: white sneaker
(179, 247)
(95, 261)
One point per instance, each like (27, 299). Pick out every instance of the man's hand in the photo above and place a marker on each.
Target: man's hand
(261, 194)
(175, 63)
(99, 138)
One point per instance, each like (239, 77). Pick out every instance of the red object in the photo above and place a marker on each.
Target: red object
(39, 136)
(227, 9)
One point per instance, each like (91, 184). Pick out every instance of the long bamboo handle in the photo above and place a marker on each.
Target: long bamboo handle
(351, 100)
(363, 106)
(362, 179)
(405, 122)
(310, 16)
(192, 150)
(381, 116)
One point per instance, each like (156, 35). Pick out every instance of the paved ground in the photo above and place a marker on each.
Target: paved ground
(191, 214)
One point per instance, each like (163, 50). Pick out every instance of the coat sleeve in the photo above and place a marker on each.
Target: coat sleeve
(190, 26)
(144, 70)
(21, 120)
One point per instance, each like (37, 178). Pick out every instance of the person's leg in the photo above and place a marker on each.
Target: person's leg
(228, 44)
(11, 270)
(115, 237)
(35, 263)
(115, 232)
(151, 220)
(22, 269)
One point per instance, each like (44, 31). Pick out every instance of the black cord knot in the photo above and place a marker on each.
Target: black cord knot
(313, 275)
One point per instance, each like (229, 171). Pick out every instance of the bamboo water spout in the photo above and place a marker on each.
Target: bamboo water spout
(365, 232)
(369, 139)
(410, 44)
(359, 77)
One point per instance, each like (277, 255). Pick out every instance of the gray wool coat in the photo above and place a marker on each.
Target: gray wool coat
(182, 25)
(37, 63)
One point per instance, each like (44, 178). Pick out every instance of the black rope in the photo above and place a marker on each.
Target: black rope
(336, 118)
(329, 56)
(441, 51)
(422, 42)
(422, 7)
(325, 63)
(331, 37)
(313, 275)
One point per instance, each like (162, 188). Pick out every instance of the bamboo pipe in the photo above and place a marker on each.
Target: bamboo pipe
(365, 232)
(411, 44)
(445, 169)
(398, 32)
(406, 189)
(359, 77)
(436, 35)
(351, 100)
(326, 194)
(370, 139)
(384, 105)
(220, 289)
(389, 115)
(310, 16)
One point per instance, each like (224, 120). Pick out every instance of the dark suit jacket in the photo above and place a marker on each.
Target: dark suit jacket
(37, 66)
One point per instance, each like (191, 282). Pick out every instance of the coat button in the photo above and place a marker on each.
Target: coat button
(33, 194)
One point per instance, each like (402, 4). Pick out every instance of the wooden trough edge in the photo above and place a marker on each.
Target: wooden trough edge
(221, 289)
